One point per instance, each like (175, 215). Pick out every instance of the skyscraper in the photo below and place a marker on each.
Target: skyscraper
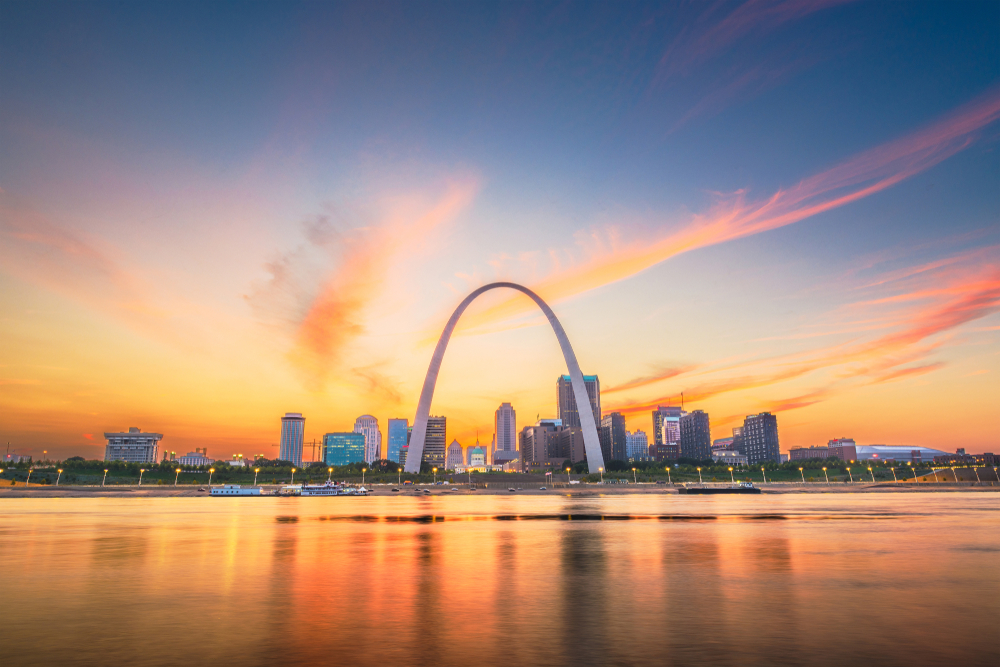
(293, 431)
(534, 442)
(397, 437)
(612, 434)
(368, 426)
(696, 436)
(636, 446)
(566, 401)
(437, 431)
(760, 438)
(505, 428)
(737, 445)
(454, 455)
(669, 431)
(339, 449)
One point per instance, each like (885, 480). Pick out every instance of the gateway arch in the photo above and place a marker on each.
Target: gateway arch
(591, 443)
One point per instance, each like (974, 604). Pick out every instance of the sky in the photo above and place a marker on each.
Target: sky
(215, 213)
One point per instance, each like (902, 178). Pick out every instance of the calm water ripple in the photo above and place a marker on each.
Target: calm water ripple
(891, 579)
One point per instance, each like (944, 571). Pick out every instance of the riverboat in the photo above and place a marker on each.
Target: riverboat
(743, 488)
(327, 489)
(235, 490)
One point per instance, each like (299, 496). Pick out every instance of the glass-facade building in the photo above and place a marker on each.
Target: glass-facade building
(397, 438)
(339, 449)
(566, 400)
(293, 430)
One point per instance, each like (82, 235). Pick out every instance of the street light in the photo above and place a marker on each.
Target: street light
(763, 474)
(29, 477)
(827, 476)
(910, 463)
(669, 481)
(329, 474)
(731, 478)
(976, 470)
(141, 470)
(567, 476)
(177, 473)
(60, 475)
(211, 471)
(850, 475)
(803, 475)
(894, 478)
(105, 476)
(399, 476)
(953, 474)
(634, 480)
(293, 476)
(873, 474)
(699, 476)
(601, 470)
(255, 473)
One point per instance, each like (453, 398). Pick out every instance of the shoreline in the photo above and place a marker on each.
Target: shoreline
(575, 490)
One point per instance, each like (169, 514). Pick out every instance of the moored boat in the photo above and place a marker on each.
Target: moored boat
(235, 490)
(742, 488)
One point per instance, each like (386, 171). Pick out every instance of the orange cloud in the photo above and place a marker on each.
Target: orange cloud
(334, 316)
(734, 217)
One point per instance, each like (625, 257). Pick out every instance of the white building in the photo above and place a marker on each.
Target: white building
(636, 445)
(505, 428)
(368, 426)
(133, 447)
(729, 458)
(454, 459)
(195, 458)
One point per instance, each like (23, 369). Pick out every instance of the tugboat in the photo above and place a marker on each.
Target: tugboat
(742, 487)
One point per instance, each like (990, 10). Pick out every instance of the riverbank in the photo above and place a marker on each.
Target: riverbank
(46, 491)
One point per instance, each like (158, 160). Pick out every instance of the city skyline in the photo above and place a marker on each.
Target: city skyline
(784, 209)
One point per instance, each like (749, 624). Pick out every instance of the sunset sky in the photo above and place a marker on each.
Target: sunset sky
(213, 214)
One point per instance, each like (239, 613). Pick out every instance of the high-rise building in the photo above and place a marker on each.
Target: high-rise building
(339, 449)
(434, 442)
(403, 451)
(760, 438)
(293, 431)
(723, 444)
(612, 435)
(454, 455)
(567, 443)
(696, 436)
(566, 401)
(737, 444)
(133, 446)
(368, 426)
(670, 415)
(397, 437)
(636, 446)
(534, 443)
(505, 428)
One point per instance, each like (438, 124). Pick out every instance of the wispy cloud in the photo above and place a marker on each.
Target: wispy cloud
(737, 215)
(320, 291)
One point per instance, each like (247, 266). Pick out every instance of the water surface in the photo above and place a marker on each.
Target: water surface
(893, 579)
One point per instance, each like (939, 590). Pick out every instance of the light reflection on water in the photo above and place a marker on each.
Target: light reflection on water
(496, 580)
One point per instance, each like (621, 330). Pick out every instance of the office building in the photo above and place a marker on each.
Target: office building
(133, 446)
(505, 428)
(636, 445)
(612, 436)
(737, 445)
(397, 436)
(760, 438)
(339, 449)
(567, 443)
(806, 453)
(368, 427)
(293, 430)
(901, 453)
(696, 436)
(454, 458)
(844, 449)
(665, 452)
(534, 443)
(434, 442)
(566, 401)
(403, 451)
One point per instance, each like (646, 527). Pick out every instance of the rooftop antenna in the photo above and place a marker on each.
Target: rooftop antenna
(682, 400)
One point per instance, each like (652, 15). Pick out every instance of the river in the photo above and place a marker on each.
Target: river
(889, 579)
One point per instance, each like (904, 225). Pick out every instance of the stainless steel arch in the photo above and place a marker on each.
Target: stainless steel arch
(591, 443)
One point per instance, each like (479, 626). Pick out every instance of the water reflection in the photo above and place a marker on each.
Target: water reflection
(503, 580)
